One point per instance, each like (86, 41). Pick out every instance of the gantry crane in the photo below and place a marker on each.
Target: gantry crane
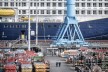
(69, 33)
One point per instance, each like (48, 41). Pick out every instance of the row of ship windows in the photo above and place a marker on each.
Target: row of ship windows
(53, 0)
(54, 4)
(33, 0)
(43, 12)
(23, 4)
(64, 12)
(91, 4)
(92, 12)
(91, 0)
(25, 26)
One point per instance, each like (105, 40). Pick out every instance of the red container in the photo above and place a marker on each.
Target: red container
(10, 67)
(9, 70)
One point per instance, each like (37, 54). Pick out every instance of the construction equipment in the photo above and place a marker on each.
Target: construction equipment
(69, 33)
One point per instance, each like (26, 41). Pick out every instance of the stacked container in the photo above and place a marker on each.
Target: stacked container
(40, 67)
(10, 68)
(26, 67)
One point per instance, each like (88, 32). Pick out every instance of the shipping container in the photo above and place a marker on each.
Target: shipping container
(26, 67)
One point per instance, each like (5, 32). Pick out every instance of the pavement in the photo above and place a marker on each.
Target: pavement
(63, 68)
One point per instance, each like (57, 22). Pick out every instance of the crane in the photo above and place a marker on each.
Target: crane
(69, 33)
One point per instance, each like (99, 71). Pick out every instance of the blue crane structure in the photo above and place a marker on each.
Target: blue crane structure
(69, 32)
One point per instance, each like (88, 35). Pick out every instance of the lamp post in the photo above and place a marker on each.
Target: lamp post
(29, 25)
(36, 24)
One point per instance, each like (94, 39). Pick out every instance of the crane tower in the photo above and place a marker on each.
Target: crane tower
(69, 33)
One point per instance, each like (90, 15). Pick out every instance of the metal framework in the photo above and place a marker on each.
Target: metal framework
(69, 32)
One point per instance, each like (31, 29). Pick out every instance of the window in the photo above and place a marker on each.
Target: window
(5, 26)
(48, 11)
(37, 11)
(94, 5)
(88, 4)
(42, 4)
(106, 4)
(19, 4)
(59, 4)
(64, 4)
(55, 25)
(16, 4)
(12, 4)
(19, 11)
(31, 11)
(31, 4)
(83, 4)
(77, 11)
(23, 11)
(23, 26)
(12, 26)
(34, 11)
(88, 12)
(65, 11)
(23, 4)
(100, 11)
(59, 11)
(83, 12)
(48, 4)
(54, 4)
(106, 12)
(100, 4)
(77, 4)
(37, 4)
(17, 26)
(5, 3)
(53, 11)
(34, 4)
(42, 11)
(94, 12)
(0, 3)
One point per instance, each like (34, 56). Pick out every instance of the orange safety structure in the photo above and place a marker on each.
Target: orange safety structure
(7, 12)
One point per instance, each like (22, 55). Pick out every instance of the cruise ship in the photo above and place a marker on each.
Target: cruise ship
(92, 16)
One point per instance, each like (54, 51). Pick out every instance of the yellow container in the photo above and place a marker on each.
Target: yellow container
(40, 70)
(26, 70)
(42, 66)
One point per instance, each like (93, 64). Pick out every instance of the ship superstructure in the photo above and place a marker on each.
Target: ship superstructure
(52, 10)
